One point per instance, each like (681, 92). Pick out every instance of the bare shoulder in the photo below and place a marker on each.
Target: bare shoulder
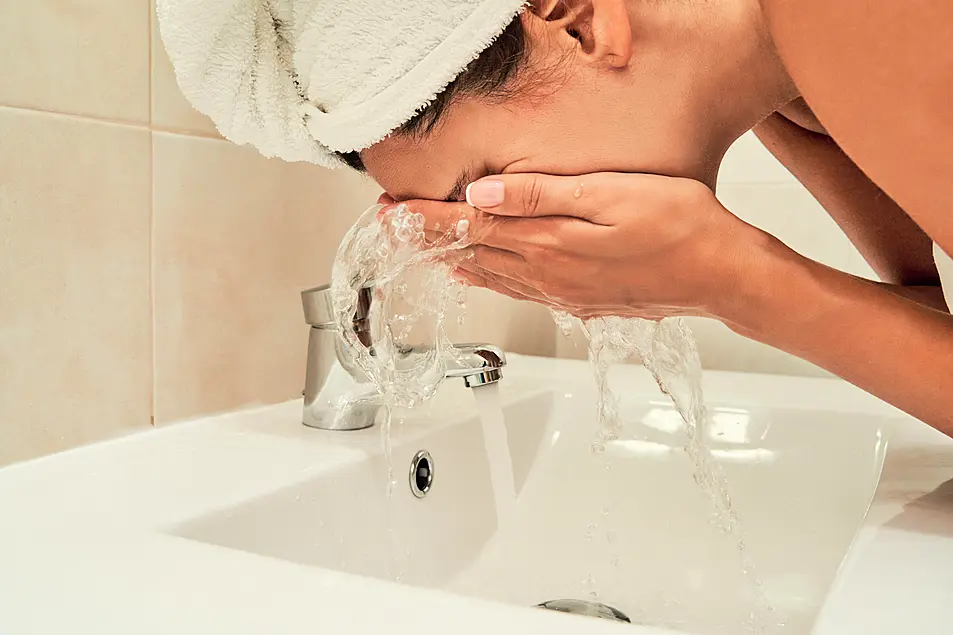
(879, 77)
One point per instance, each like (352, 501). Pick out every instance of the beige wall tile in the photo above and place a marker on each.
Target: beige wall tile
(517, 327)
(170, 109)
(237, 237)
(88, 58)
(789, 212)
(75, 328)
(719, 349)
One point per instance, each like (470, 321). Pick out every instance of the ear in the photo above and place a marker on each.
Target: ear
(600, 29)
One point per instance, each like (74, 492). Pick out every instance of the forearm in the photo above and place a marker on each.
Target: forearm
(930, 296)
(893, 347)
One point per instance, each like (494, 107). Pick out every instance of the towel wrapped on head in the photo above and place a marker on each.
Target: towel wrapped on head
(304, 79)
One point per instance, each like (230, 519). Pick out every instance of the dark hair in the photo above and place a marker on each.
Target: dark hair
(488, 75)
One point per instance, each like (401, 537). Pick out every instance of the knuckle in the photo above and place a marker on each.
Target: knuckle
(532, 196)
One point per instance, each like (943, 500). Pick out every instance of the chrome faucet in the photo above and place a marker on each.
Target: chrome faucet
(477, 364)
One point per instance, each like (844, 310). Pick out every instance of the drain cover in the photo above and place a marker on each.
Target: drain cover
(583, 607)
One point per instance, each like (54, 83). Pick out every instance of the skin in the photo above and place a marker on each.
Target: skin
(644, 236)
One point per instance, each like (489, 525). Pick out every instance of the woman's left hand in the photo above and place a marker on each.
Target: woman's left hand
(632, 245)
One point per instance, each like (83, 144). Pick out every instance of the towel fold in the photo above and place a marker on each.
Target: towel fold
(303, 79)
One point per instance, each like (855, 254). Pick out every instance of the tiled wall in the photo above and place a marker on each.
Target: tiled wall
(150, 271)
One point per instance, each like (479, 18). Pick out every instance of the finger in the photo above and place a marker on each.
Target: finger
(440, 216)
(500, 262)
(525, 291)
(459, 221)
(385, 199)
(469, 278)
(529, 195)
(484, 282)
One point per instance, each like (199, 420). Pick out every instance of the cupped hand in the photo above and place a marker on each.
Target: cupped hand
(632, 245)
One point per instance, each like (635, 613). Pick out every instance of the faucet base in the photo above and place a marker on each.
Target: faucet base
(355, 417)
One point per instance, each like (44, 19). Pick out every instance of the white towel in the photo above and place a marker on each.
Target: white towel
(301, 79)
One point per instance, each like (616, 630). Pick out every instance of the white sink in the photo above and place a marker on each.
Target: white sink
(628, 528)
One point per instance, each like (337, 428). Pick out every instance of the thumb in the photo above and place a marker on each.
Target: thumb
(530, 195)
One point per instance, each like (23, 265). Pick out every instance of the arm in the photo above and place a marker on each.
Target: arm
(640, 245)
(888, 239)
(877, 75)
(888, 345)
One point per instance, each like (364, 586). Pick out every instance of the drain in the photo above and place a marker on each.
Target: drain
(421, 474)
(584, 607)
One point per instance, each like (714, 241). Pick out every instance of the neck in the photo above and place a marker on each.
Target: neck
(764, 83)
(746, 81)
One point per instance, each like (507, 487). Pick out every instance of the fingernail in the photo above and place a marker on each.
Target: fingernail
(485, 193)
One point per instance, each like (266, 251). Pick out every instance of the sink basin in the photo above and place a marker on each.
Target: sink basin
(628, 527)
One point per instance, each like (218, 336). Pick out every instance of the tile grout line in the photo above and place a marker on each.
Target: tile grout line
(126, 123)
(152, 222)
(179, 132)
(194, 134)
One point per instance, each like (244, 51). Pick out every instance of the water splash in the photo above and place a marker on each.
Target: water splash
(668, 351)
(403, 349)
(413, 289)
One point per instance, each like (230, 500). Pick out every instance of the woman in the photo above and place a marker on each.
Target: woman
(587, 139)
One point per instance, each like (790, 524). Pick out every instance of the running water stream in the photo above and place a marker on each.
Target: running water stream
(668, 351)
(499, 459)
(408, 360)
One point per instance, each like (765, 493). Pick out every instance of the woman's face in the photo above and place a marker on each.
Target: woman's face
(656, 101)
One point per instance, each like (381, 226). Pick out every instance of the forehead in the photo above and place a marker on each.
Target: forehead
(412, 168)
(430, 166)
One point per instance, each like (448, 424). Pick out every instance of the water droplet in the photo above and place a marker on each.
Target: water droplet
(578, 192)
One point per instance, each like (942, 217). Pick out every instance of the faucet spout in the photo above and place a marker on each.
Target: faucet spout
(477, 364)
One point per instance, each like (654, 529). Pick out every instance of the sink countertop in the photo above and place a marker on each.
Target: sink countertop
(83, 546)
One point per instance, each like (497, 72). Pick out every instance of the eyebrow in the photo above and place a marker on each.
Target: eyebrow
(459, 187)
